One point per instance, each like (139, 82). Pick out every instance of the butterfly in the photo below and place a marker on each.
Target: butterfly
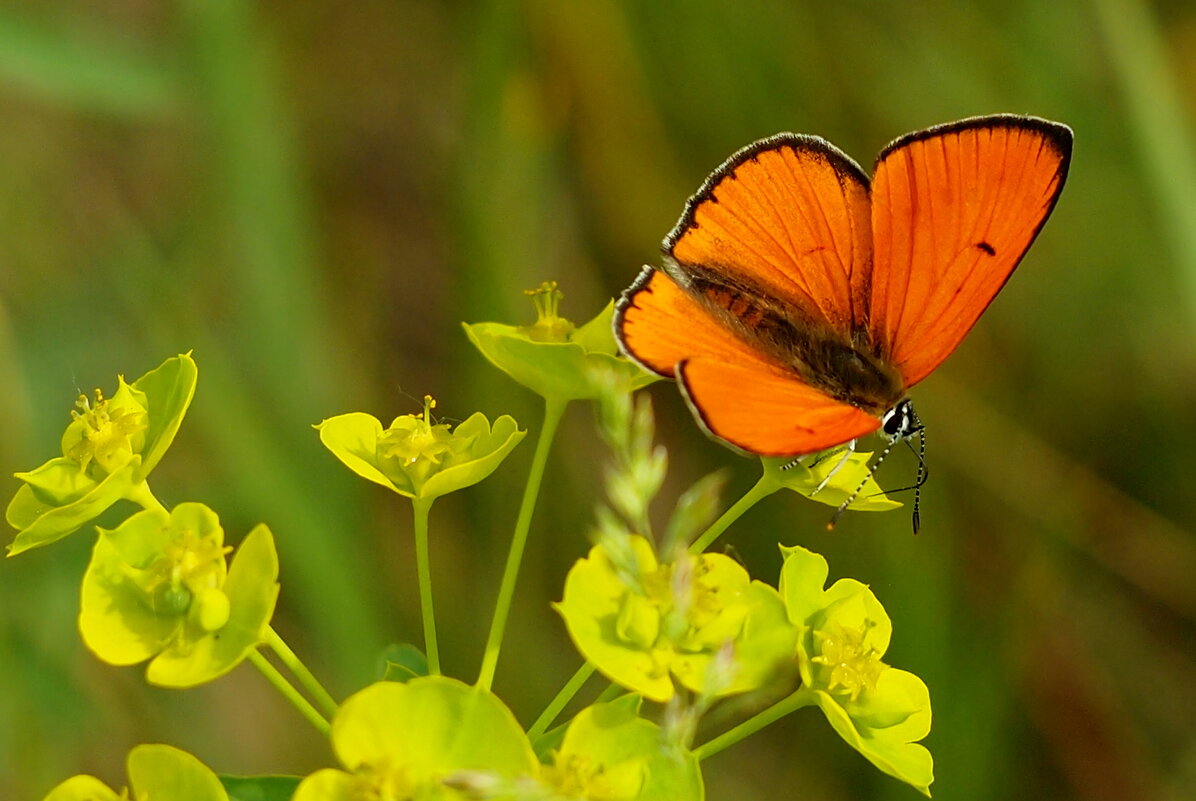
(798, 300)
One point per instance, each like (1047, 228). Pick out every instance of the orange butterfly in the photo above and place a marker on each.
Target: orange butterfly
(799, 302)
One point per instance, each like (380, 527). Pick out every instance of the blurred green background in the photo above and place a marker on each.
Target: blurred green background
(313, 195)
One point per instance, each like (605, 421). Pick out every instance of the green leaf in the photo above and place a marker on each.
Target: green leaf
(260, 788)
(252, 590)
(168, 389)
(160, 771)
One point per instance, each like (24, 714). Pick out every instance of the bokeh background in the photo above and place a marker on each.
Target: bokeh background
(313, 195)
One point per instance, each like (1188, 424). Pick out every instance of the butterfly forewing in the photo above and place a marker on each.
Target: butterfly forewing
(954, 209)
(785, 218)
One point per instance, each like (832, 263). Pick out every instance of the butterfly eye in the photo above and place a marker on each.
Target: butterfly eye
(901, 422)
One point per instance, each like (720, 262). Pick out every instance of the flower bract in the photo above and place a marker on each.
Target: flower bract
(609, 753)
(155, 771)
(108, 449)
(879, 710)
(158, 588)
(419, 739)
(697, 619)
(416, 457)
(555, 359)
(806, 478)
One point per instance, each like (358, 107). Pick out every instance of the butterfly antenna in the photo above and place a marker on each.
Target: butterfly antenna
(923, 474)
(834, 521)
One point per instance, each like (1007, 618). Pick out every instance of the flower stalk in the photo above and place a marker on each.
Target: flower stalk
(304, 676)
(280, 683)
(422, 507)
(554, 409)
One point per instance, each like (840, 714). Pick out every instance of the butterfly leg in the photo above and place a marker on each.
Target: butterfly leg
(815, 458)
(848, 450)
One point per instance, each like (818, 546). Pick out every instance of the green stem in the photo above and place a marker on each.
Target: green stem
(562, 698)
(610, 693)
(422, 506)
(305, 676)
(803, 697)
(290, 693)
(554, 409)
(762, 489)
(143, 497)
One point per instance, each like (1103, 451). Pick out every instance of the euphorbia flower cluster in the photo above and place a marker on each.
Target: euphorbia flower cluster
(674, 628)
(109, 449)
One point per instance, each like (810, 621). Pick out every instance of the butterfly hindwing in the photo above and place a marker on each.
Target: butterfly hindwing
(954, 209)
(767, 411)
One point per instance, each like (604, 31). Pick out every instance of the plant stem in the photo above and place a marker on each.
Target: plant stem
(610, 693)
(290, 693)
(305, 676)
(554, 409)
(802, 697)
(143, 497)
(762, 489)
(422, 507)
(562, 698)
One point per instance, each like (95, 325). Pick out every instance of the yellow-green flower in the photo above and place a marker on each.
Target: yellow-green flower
(158, 588)
(420, 739)
(879, 710)
(105, 435)
(554, 358)
(609, 753)
(416, 457)
(697, 619)
(155, 772)
(108, 449)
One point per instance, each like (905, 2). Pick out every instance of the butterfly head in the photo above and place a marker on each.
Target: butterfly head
(901, 422)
